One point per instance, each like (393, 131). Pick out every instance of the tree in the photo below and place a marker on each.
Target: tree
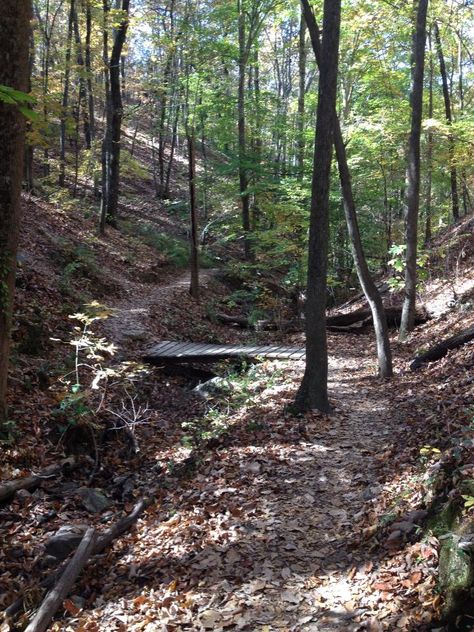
(367, 283)
(413, 168)
(312, 393)
(14, 41)
(114, 113)
(449, 120)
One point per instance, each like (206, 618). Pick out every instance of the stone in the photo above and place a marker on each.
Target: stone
(217, 387)
(93, 500)
(404, 526)
(416, 516)
(394, 540)
(65, 541)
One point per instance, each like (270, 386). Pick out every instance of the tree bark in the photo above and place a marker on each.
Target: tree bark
(449, 120)
(429, 156)
(301, 97)
(243, 171)
(194, 259)
(313, 392)
(14, 40)
(114, 123)
(65, 99)
(413, 168)
(58, 593)
(88, 67)
(368, 286)
(83, 102)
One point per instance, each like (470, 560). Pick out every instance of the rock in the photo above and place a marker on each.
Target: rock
(65, 540)
(404, 526)
(416, 516)
(217, 387)
(23, 495)
(395, 540)
(371, 492)
(456, 573)
(135, 334)
(93, 500)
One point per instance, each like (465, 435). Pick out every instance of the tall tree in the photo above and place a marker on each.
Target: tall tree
(366, 281)
(449, 120)
(301, 95)
(14, 41)
(413, 168)
(250, 16)
(65, 98)
(313, 392)
(114, 114)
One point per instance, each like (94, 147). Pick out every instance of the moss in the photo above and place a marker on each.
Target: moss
(456, 563)
(456, 573)
(443, 519)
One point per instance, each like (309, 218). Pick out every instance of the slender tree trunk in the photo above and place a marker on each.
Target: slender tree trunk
(301, 97)
(65, 99)
(429, 155)
(174, 136)
(258, 142)
(106, 141)
(243, 170)
(88, 66)
(449, 120)
(83, 103)
(116, 114)
(194, 287)
(313, 393)
(114, 120)
(14, 39)
(28, 172)
(413, 169)
(369, 288)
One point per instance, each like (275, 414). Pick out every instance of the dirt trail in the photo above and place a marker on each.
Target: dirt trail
(271, 532)
(129, 323)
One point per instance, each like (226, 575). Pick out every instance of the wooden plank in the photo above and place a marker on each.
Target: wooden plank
(179, 351)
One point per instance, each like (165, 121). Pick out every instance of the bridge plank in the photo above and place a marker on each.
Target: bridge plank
(168, 351)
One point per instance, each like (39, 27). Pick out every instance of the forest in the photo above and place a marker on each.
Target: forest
(236, 315)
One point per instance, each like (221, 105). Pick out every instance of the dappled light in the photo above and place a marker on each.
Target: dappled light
(236, 297)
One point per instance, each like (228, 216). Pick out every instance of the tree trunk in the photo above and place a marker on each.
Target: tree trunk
(111, 159)
(83, 103)
(106, 141)
(313, 393)
(14, 39)
(243, 171)
(88, 66)
(449, 120)
(194, 288)
(369, 288)
(429, 156)
(413, 168)
(301, 96)
(116, 113)
(65, 99)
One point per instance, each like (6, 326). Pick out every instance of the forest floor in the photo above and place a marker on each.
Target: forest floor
(259, 520)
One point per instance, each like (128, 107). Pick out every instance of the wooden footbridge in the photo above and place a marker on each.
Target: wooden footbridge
(174, 352)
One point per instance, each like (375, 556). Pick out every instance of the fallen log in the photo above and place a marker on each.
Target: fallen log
(359, 318)
(30, 482)
(356, 328)
(441, 349)
(102, 542)
(393, 314)
(59, 592)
